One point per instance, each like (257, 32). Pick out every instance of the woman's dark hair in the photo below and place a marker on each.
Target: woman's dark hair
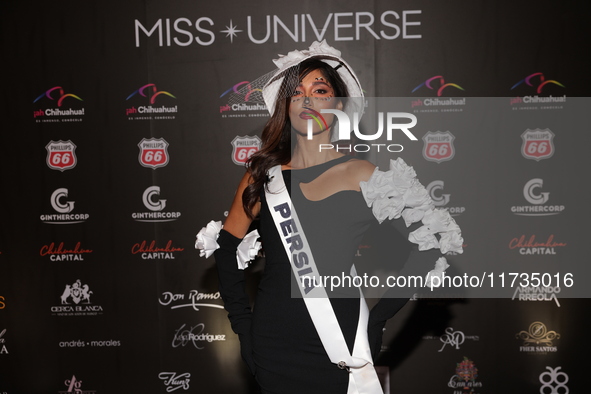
(278, 140)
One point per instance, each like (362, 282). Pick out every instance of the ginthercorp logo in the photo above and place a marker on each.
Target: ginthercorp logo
(533, 194)
(465, 377)
(538, 339)
(155, 204)
(56, 97)
(153, 152)
(240, 102)
(63, 206)
(536, 83)
(529, 245)
(537, 144)
(151, 94)
(75, 301)
(244, 147)
(75, 386)
(3, 348)
(554, 381)
(440, 199)
(439, 146)
(174, 381)
(195, 335)
(61, 155)
(261, 28)
(60, 252)
(150, 250)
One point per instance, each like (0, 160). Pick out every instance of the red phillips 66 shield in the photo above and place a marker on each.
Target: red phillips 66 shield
(244, 147)
(153, 152)
(439, 146)
(537, 144)
(60, 155)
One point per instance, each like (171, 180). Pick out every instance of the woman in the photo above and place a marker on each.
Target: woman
(309, 342)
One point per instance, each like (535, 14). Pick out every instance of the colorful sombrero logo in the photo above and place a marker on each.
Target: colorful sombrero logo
(242, 88)
(542, 82)
(147, 88)
(442, 85)
(54, 92)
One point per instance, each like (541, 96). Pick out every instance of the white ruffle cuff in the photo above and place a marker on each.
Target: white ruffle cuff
(207, 244)
(397, 193)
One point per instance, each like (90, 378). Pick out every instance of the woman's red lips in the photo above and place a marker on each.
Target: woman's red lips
(305, 115)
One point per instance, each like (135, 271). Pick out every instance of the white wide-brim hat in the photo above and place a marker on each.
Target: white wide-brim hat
(324, 52)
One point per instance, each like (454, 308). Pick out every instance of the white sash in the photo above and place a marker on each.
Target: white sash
(363, 378)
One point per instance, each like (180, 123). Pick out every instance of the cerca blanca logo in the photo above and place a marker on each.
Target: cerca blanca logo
(174, 381)
(75, 301)
(3, 349)
(60, 203)
(440, 199)
(538, 199)
(156, 205)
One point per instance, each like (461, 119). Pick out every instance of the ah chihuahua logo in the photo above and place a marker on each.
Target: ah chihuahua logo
(53, 111)
(537, 81)
(150, 112)
(432, 82)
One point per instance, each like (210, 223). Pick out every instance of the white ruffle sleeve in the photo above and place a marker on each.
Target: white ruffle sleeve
(397, 193)
(207, 244)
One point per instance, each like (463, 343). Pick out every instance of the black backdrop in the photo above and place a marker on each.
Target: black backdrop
(101, 300)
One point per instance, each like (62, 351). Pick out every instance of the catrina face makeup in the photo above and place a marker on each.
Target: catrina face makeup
(313, 94)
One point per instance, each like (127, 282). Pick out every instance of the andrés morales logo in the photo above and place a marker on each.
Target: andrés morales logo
(75, 386)
(57, 95)
(150, 91)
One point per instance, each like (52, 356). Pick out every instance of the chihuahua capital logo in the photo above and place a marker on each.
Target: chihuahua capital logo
(54, 111)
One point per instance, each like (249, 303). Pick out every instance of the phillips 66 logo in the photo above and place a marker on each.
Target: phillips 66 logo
(153, 152)
(244, 147)
(438, 146)
(60, 155)
(537, 144)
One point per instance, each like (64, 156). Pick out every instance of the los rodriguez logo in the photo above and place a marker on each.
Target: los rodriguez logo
(61, 155)
(153, 152)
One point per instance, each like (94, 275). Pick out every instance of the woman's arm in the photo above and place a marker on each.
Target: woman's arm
(231, 279)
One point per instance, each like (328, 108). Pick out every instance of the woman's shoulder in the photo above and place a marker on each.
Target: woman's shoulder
(360, 170)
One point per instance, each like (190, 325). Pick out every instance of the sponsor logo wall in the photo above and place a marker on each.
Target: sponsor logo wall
(144, 118)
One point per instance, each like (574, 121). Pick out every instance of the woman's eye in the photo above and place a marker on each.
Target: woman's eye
(297, 93)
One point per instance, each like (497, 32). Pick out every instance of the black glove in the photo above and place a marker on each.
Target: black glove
(231, 286)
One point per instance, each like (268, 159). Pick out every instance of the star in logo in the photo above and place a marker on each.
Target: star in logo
(231, 31)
